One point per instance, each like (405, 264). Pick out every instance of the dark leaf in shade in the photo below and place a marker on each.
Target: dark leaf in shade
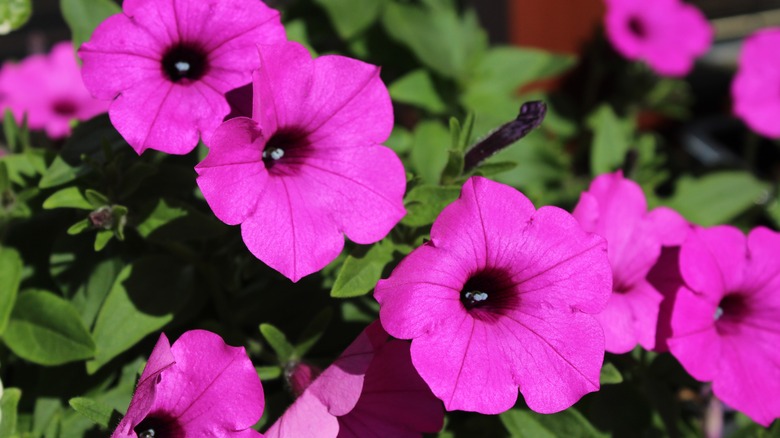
(530, 117)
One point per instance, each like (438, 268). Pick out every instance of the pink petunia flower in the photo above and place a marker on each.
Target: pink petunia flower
(615, 208)
(667, 34)
(371, 390)
(167, 64)
(197, 387)
(309, 165)
(502, 298)
(756, 86)
(48, 88)
(725, 324)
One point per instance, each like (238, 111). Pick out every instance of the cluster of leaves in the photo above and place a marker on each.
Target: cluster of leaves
(102, 249)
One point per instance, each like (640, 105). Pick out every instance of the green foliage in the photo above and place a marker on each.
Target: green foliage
(143, 299)
(442, 40)
(568, 423)
(611, 140)
(350, 17)
(417, 88)
(10, 277)
(717, 197)
(358, 275)
(425, 202)
(97, 412)
(285, 351)
(8, 409)
(14, 14)
(83, 16)
(47, 330)
(610, 375)
(429, 151)
(69, 197)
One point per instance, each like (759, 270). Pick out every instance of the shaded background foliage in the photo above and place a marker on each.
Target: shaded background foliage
(103, 249)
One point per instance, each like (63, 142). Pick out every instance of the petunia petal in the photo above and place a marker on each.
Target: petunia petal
(712, 260)
(144, 397)
(695, 341)
(233, 165)
(287, 234)
(212, 389)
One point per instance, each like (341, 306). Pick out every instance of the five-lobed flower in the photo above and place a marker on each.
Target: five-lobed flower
(308, 166)
(615, 208)
(166, 65)
(756, 86)
(199, 386)
(48, 90)
(502, 298)
(666, 34)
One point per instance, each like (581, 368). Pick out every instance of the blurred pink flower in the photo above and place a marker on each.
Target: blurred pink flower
(502, 298)
(198, 387)
(48, 88)
(667, 34)
(756, 86)
(309, 165)
(167, 64)
(371, 390)
(615, 208)
(725, 324)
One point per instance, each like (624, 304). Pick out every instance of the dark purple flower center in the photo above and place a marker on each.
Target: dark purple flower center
(185, 62)
(490, 291)
(64, 107)
(284, 151)
(637, 27)
(730, 312)
(159, 426)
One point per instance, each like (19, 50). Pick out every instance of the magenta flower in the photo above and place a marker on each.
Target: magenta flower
(756, 86)
(167, 64)
(615, 208)
(197, 387)
(725, 324)
(371, 390)
(48, 88)
(502, 298)
(667, 34)
(309, 165)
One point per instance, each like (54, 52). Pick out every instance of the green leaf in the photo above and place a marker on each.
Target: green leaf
(610, 374)
(425, 202)
(296, 31)
(69, 197)
(313, 332)
(10, 129)
(416, 88)
(278, 342)
(430, 150)
(90, 295)
(102, 238)
(13, 14)
(569, 423)
(10, 277)
(611, 140)
(143, 299)
(351, 17)
(8, 406)
(47, 330)
(503, 70)
(175, 221)
(60, 172)
(442, 40)
(95, 198)
(269, 372)
(718, 197)
(79, 227)
(46, 416)
(400, 140)
(26, 164)
(96, 411)
(358, 275)
(83, 16)
(490, 169)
